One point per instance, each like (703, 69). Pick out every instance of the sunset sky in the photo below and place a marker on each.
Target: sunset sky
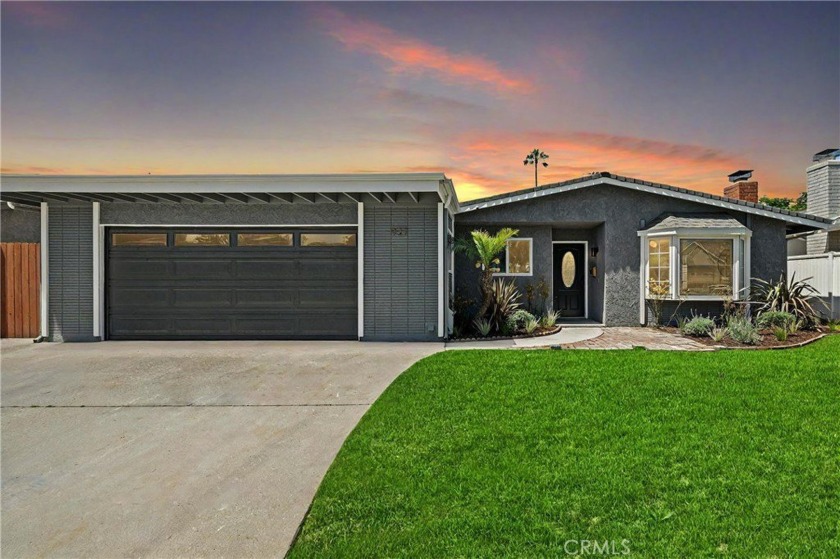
(677, 93)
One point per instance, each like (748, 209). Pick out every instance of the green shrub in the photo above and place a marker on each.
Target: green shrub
(483, 326)
(698, 326)
(504, 301)
(517, 319)
(549, 319)
(718, 334)
(775, 319)
(531, 325)
(791, 295)
(795, 326)
(743, 331)
(780, 333)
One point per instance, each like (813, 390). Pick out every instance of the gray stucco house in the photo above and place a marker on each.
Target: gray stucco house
(602, 241)
(370, 256)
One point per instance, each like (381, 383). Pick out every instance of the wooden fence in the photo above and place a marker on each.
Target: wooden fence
(20, 274)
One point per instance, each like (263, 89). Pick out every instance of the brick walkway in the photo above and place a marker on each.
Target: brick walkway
(628, 338)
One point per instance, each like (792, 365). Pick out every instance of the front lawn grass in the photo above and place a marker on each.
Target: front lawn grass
(513, 453)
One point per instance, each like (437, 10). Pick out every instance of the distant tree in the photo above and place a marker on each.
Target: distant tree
(795, 204)
(801, 203)
(536, 158)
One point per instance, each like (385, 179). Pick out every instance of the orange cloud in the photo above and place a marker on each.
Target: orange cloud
(410, 55)
(498, 157)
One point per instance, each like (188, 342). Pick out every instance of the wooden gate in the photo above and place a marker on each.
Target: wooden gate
(20, 273)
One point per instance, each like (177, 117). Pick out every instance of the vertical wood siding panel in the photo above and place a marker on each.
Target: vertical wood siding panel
(19, 290)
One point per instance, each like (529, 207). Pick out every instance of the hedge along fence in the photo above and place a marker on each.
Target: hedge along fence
(20, 279)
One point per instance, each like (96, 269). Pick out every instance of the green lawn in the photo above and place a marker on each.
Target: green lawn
(512, 453)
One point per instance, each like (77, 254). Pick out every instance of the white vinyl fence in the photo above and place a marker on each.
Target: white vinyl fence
(824, 271)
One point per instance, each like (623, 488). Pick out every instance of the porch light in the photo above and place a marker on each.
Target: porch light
(594, 252)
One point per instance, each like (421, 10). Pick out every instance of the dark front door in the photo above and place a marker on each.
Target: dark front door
(569, 279)
(231, 284)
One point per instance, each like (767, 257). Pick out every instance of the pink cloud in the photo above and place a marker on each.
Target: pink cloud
(410, 55)
(38, 14)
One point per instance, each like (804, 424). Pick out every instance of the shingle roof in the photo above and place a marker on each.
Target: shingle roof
(674, 220)
(665, 188)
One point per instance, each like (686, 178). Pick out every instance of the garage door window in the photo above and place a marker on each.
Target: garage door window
(202, 239)
(265, 239)
(138, 240)
(328, 239)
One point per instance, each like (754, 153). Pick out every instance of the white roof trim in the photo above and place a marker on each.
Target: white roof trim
(360, 183)
(392, 182)
(697, 231)
(467, 207)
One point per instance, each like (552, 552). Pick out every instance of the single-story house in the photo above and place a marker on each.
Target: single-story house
(601, 242)
(370, 256)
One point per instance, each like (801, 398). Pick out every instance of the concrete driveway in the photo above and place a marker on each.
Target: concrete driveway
(172, 449)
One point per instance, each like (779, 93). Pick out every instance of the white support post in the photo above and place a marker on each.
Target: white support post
(832, 281)
(441, 283)
(360, 242)
(45, 270)
(642, 277)
(97, 274)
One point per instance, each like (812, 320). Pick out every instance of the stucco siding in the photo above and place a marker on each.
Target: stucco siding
(20, 226)
(70, 272)
(401, 273)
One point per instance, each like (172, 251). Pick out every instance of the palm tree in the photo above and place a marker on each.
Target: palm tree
(485, 248)
(535, 158)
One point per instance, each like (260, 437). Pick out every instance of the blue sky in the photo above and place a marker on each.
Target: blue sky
(681, 93)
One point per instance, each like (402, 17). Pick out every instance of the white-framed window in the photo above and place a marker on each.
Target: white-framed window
(706, 267)
(518, 258)
(696, 264)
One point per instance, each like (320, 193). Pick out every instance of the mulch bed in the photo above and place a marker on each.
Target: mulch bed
(536, 334)
(768, 340)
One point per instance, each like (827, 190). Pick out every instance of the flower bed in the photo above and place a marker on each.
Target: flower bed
(537, 334)
(768, 340)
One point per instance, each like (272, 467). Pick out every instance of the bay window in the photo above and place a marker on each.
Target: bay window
(694, 263)
(706, 267)
(659, 270)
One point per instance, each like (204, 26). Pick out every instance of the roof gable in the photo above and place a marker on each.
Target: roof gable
(712, 200)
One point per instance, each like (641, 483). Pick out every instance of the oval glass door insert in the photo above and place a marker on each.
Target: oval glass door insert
(567, 269)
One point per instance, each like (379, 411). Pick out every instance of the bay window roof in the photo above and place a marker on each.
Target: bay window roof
(670, 222)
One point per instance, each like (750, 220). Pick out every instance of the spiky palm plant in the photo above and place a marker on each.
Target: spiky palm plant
(504, 301)
(485, 248)
(792, 296)
(536, 158)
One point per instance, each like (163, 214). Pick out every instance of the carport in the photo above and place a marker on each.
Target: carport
(362, 256)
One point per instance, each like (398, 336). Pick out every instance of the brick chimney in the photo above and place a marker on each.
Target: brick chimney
(742, 188)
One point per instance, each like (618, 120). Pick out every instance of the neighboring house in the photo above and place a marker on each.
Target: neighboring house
(816, 255)
(600, 242)
(371, 256)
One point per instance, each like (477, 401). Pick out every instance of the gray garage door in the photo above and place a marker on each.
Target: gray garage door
(231, 284)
